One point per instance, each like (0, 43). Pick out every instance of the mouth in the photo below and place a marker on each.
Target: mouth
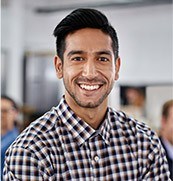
(89, 87)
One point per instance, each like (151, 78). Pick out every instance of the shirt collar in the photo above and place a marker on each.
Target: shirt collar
(79, 129)
(105, 128)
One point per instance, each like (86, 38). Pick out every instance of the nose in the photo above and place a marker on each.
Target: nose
(89, 69)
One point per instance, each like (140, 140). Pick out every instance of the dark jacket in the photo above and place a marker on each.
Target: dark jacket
(170, 162)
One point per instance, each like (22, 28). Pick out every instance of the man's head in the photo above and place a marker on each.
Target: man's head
(167, 121)
(83, 18)
(9, 113)
(87, 57)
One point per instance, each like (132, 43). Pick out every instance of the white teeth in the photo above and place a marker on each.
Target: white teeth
(89, 87)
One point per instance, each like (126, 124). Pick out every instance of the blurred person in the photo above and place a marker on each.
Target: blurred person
(9, 130)
(82, 138)
(134, 104)
(166, 132)
(135, 97)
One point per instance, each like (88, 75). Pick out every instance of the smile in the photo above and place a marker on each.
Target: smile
(89, 87)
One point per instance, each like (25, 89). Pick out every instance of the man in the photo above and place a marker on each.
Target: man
(82, 138)
(9, 132)
(166, 132)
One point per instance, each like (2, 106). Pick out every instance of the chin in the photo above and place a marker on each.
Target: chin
(89, 104)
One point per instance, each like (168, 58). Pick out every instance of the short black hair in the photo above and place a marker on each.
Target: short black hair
(14, 104)
(83, 18)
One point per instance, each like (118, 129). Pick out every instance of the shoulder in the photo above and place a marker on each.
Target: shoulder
(35, 147)
(133, 130)
(39, 132)
(127, 122)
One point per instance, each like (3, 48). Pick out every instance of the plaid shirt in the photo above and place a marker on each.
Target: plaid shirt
(61, 146)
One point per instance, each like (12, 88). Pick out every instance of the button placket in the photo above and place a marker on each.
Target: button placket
(96, 158)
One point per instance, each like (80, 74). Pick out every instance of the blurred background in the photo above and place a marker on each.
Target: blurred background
(144, 28)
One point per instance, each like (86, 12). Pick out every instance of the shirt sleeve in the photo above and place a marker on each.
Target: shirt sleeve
(22, 164)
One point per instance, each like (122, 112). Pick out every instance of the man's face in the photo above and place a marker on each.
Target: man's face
(167, 125)
(89, 67)
(8, 115)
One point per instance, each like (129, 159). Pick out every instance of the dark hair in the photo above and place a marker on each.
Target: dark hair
(83, 18)
(11, 100)
(165, 108)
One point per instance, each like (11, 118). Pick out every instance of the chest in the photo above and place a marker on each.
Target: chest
(95, 160)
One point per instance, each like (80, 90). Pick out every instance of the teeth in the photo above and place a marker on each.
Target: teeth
(89, 87)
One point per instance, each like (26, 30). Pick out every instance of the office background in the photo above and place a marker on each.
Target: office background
(144, 29)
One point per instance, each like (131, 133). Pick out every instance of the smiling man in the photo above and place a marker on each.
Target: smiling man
(88, 69)
(82, 138)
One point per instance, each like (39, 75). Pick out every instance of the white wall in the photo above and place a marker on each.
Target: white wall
(12, 44)
(145, 43)
(145, 35)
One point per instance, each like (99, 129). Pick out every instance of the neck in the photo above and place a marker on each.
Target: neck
(92, 116)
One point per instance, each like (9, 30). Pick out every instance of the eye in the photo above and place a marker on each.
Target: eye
(77, 59)
(103, 59)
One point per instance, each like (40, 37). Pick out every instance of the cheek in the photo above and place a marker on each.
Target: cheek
(4, 122)
(70, 69)
(170, 126)
(10, 117)
(68, 76)
(68, 73)
(109, 71)
(111, 76)
(72, 72)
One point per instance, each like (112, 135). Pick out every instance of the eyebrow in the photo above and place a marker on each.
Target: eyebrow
(107, 52)
(73, 52)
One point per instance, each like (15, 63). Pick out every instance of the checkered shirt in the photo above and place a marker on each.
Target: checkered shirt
(61, 146)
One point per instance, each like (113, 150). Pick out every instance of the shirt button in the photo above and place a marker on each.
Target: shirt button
(96, 158)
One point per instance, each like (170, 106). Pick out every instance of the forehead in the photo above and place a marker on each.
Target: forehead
(89, 39)
(6, 103)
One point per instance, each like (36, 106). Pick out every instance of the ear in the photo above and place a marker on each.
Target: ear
(58, 66)
(117, 67)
